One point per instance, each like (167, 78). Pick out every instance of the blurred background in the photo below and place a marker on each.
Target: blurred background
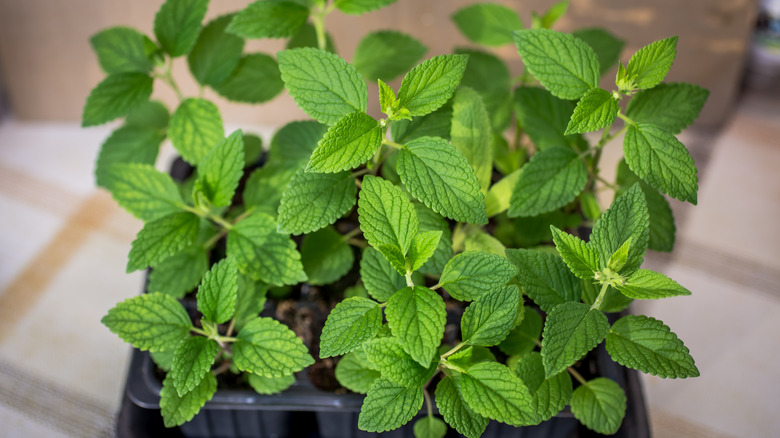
(63, 243)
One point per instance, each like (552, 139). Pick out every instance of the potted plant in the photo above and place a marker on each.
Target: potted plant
(437, 238)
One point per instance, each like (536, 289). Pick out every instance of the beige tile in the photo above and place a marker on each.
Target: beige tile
(18, 425)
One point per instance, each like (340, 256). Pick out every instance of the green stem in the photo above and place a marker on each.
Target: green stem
(576, 375)
(625, 118)
(318, 17)
(607, 183)
(409, 281)
(199, 331)
(392, 144)
(453, 350)
(351, 234)
(428, 404)
(214, 239)
(600, 298)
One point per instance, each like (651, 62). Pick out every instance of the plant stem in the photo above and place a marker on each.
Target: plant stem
(576, 375)
(409, 281)
(453, 350)
(318, 17)
(199, 331)
(600, 298)
(230, 327)
(625, 119)
(357, 242)
(393, 144)
(428, 404)
(221, 369)
(351, 234)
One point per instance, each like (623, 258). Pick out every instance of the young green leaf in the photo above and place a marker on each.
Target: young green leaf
(430, 84)
(488, 24)
(315, 200)
(352, 141)
(396, 258)
(432, 221)
(220, 171)
(661, 160)
(388, 356)
(115, 96)
(606, 46)
(177, 25)
(600, 405)
(269, 19)
(581, 258)
(386, 97)
(191, 362)
(550, 395)
(263, 253)
(151, 322)
(218, 292)
(387, 54)
(438, 174)
(195, 128)
(216, 53)
(322, 84)
(388, 406)
(143, 191)
(524, 337)
(647, 284)
(429, 427)
(619, 258)
(417, 316)
(545, 278)
(625, 219)
(423, 246)
(179, 274)
(162, 238)
(662, 228)
(571, 331)
(493, 391)
(267, 348)
(499, 196)
(128, 144)
(648, 345)
(351, 323)
(386, 215)
(256, 79)
(488, 320)
(359, 7)
(670, 106)
(565, 65)
(123, 50)
(597, 109)
(456, 412)
(269, 385)
(551, 179)
(326, 256)
(479, 240)
(471, 274)
(179, 410)
(379, 277)
(472, 135)
(648, 67)
(355, 372)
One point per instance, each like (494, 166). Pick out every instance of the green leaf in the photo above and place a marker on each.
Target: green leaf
(387, 54)
(269, 385)
(179, 410)
(315, 200)
(564, 64)
(471, 274)
(493, 391)
(619, 258)
(355, 372)
(551, 179)
(597, 109)
(162, 238)
(648, 345)
(581, 258)
(264, 254)
(425, 243)
(545, 278)
(256, 79)
(671, 107)
(552, 15)
(435, 124)
(430, 84)
(570, 331)
(352, 141)
(606, 45)
(269, 19)
(191, 361)
(195, 128)
(456, 412)
(294, 142)
(388, 357)
(488, 320)
(489, 24)
(322, 84)
(485, 72)
(386, 215)
(250, 300)
(648, 67)
(396, 258)
(351, 323)
(500, 194)
(662, 161)
(150, 115)
(523, 338)
(379, 277)
(267, 348)
(123, 50)
(163, 359)
(266, 186)
(179, 273)
(326, 256)
(551, 395)
(437, 174)
(115, 96)
(417, 316)
(613, 302)
(478, 240)
(359, 7)
(307, 37)
(216, 53)
(386, 97)
(177, 25)
(429, 427)
(143, 191)
(218, 292)
(151, 322)
(388, 406)
(471, 134)
(662, 229)
(625, 219)
(432, 221)
(221, 170)
(128, 144)
(647, 284)
(600, 405)
(544, 117)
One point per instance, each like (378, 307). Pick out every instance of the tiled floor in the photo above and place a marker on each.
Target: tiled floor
(64, 244)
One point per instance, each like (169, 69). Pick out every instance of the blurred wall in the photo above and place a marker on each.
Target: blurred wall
(48, 67)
